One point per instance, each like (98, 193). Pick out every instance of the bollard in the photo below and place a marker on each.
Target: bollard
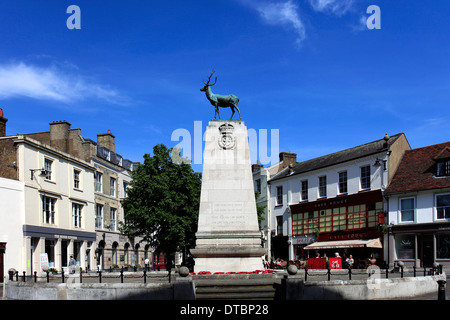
(35, 276)
(441, 289)
(62, 276)
(24, 273)
(48, 276)
(145, 276)
(349, 273)
(306, 273)
(99, 277)
(329, 274)
(81, 275)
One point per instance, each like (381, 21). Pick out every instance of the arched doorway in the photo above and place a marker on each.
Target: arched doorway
(126, 257)
(100, 254)
(114, 253)
(136, 255)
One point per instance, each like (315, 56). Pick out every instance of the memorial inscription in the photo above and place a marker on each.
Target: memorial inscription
(227, 214)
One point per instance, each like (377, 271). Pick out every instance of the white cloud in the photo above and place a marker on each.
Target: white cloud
(285, 14)
(50, 83)
(337, 7)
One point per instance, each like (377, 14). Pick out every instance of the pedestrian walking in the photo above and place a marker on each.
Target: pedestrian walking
(72, 263)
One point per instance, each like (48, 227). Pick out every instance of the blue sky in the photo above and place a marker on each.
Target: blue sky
(309, 68)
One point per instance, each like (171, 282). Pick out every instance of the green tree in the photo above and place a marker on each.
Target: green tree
(260, 210)
(163, 202)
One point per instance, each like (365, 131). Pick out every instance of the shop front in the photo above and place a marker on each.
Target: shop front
(420, 245)
(364, 252)
(347, 225)
(57, 245)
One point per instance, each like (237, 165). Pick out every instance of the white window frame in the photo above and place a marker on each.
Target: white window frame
(76, 178)
(98, 181)
(369, 178)
(343, 183)
(436, 207)
(400, 210)
(112, 186)
(48, 210)
(322, 187)
(304, 190)
(99, 218)
(77, 215)
(279, 196)
(125, 186)
(113, 219)
(443, 168)
(48, 166)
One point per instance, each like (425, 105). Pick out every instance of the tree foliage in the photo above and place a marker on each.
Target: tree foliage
(260, 210)
(163, 201)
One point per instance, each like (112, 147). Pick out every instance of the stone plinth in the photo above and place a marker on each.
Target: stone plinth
(228, 236)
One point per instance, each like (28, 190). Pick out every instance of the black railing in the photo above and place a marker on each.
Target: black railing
(79, 276)
(371, 272)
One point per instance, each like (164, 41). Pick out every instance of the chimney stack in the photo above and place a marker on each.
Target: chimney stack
(3, 121)
(286, 159)
(107, 140)
(257, 166)
(59, 134)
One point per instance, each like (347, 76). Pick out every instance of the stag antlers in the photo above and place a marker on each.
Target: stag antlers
(209, 79)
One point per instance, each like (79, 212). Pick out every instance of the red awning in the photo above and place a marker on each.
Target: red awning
(361, 243)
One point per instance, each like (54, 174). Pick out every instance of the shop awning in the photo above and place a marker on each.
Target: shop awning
(360, 243)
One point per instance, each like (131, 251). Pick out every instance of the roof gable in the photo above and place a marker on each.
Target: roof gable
(417, 170)
(444, 154)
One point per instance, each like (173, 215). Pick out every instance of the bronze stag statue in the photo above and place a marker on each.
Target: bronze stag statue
(218, 100)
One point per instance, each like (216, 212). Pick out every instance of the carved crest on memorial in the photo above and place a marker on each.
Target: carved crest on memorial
(227, 140)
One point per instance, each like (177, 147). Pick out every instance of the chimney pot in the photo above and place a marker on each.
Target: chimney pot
(3, 121)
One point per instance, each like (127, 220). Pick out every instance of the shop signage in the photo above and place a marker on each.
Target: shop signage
(330, 203)
(335, 263)
(44, 261)
(349, 236)
(63, 236)
(302, 240)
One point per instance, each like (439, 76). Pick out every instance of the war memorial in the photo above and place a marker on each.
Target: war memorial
(228, 237)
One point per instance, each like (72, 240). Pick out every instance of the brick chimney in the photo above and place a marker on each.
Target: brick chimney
(107, 140)
(257, 166)
(3, 121)
(59, 135)
(286, 159)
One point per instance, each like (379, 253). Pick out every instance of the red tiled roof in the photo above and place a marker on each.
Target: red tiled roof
(417, 170)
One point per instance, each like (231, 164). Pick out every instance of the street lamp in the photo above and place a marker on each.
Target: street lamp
(43, 173)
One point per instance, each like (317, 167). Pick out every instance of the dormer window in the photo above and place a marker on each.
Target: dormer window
(443, 168)
(443, 163)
